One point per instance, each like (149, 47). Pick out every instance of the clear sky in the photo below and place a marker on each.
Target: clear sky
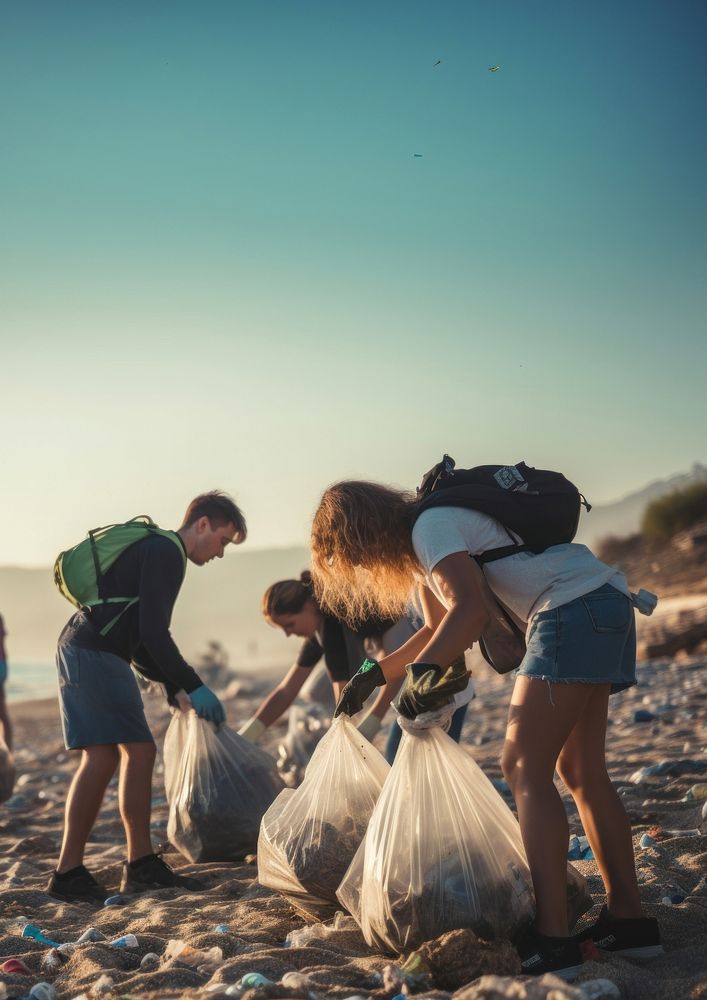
(223, 265)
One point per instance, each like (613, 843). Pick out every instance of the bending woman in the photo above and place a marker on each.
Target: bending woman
(581, 644)
(291, 606)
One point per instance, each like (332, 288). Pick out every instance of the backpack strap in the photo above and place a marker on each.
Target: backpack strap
(493, 554)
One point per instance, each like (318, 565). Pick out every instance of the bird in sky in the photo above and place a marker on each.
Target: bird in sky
(437, 63)
(494, 69)
(417, 154)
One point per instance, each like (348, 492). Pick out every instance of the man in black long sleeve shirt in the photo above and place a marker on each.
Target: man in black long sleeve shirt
(102, 711)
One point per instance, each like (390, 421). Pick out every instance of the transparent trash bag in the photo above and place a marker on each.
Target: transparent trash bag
(218, 787)
(310, 834)
(7, 771)
(442, 851)
(306, 726)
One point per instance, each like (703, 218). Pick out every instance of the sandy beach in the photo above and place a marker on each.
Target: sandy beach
(336, 962)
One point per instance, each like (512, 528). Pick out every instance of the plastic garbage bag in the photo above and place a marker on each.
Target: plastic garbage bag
(306, 726)
(442, 851)
(218, 787)
(7, 771)
(310, 834)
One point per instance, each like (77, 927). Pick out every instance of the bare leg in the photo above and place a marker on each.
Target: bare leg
(540, 720)
(582, 767)
(5, 724)
(97, 767)
(135, 796)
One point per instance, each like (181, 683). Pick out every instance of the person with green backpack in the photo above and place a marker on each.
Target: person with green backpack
(124, 579)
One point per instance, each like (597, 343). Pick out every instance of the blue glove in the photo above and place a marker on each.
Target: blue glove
(207, 706)
(3, 671)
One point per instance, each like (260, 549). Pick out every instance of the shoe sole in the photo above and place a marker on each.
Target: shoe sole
(77, 899)
(153, 886)
(638, 954)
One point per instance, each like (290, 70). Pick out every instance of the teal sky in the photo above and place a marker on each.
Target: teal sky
(222, 264)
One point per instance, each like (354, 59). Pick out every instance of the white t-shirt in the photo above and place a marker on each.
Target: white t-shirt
(524, 582)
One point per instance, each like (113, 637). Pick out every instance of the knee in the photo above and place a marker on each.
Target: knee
(577, 774)
(511, 764)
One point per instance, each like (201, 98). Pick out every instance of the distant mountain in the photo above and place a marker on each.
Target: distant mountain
(221, 602)
(623, 517)
(218, 602)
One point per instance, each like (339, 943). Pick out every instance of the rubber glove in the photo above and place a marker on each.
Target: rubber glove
(370, 726)
(360, 687)
(207, 706)
(252, 730)
(430, 687)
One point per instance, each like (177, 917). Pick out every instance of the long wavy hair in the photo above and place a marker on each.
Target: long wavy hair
(363, 562)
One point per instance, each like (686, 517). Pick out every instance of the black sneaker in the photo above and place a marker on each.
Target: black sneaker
(540, 954)
(154, 873)
(632, 937)
(76, 886)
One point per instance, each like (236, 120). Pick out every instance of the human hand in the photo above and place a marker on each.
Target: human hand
(207, 706)
(430, 687)
(360, 687)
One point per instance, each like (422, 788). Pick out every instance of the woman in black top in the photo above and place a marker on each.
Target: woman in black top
(291, 606)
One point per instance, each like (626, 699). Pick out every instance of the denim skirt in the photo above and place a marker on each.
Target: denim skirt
(591, 640)
(99, 698)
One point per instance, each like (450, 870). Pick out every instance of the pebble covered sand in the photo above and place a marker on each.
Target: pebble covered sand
(236, 927)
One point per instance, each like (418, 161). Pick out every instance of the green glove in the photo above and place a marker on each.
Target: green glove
(429, 687)
(360, 687)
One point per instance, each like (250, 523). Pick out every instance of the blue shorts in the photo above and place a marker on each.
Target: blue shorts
(100, 699)
(591, 640)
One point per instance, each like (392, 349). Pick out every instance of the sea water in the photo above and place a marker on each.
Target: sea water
(28, 681)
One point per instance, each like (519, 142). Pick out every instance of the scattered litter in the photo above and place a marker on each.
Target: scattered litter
(196, 958)
(15, 966)
(125, 941)
(30, 931)
(43, 991)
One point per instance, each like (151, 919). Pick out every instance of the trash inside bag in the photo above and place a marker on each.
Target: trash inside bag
(310, 834)
(442, 851)
(306, 726)
(218, 788)
(7, 771)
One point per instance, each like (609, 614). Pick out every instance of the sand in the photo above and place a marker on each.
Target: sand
(336, 962)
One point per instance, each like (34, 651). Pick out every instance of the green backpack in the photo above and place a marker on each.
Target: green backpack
(79, 572)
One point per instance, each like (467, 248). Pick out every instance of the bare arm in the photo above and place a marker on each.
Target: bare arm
(393, 665)
(279, 700)
(462, 585)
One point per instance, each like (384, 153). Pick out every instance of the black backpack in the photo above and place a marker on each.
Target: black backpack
(539, 506)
